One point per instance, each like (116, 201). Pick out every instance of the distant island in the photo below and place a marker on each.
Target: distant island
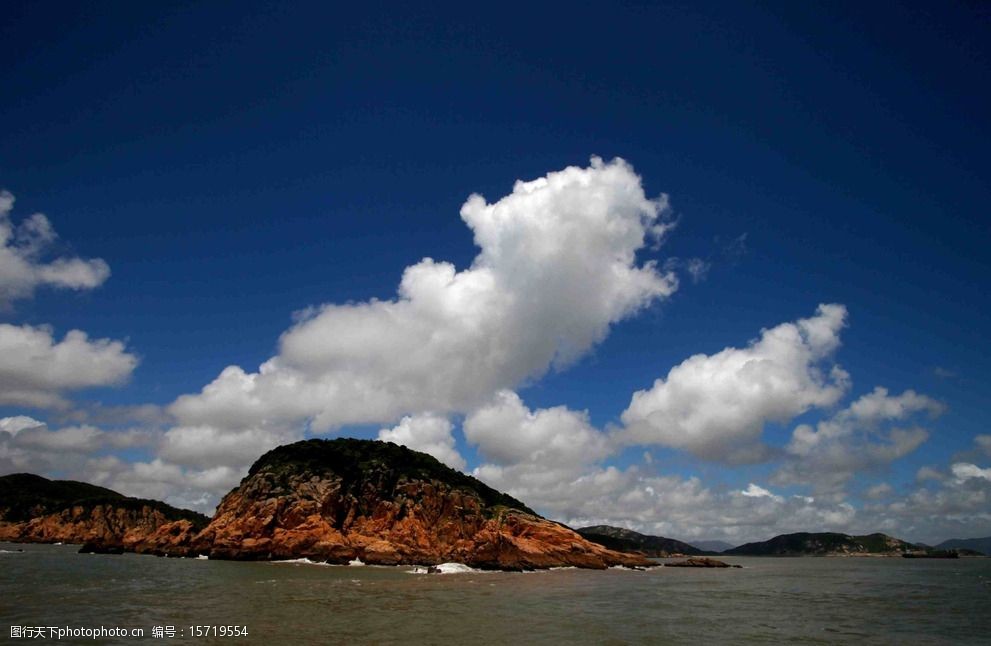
(828, 544)
(331, 501)
(798, 544)
(967, 545)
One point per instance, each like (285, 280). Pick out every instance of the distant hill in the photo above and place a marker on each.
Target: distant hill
(24, 496)
(627, 540)
(982, 545)
(713, 546)
(823, 544)
(38, 510)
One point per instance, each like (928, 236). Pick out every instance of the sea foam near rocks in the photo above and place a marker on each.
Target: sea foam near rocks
(301, 561)
(444, 568)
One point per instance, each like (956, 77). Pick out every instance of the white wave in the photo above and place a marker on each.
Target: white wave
(355, 562)
(444, 568)
(630, 569)
(302, 561)
(11, 551)
(202, 557)
(455, 568)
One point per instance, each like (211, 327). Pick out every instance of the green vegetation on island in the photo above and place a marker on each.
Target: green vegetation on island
(627, 540)
(357, 462)
(25, 496)
(823, 544)
(968, 546)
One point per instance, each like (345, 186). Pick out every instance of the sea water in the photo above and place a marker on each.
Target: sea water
(768, 601)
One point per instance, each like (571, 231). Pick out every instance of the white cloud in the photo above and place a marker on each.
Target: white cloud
(36, 369)
(18, 423)
(61, 452)
(542, 456)
(879, 491)
(964, 470)
(507, 432)
(983, 442)
(929, 473)
(77, 439)
(428, 433)
(22, 252)
(667, 505)
(856, 439)
(198, 489)
(698, 269)
(950, 507)
(716, 406)
(755, 491)
(878, 406)
(206, 446)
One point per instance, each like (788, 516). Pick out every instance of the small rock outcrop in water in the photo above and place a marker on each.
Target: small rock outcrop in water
(344, 499)
(700, 561)
(37, 510)
(932, 554)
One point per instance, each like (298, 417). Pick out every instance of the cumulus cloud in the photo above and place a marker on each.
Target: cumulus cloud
(78, 439)
(983, 443)
(678, 507)
(929, 473)
(198, 489)
(507, 432)
(16, 424)
(947, 507)
(963, 471)
(23, 267)
(544, 457)
(29, 445)
(557, 266)
(206, 446)
(856, 439)
(36, 368)
(429, 433)
(756, 491)
(716, 406)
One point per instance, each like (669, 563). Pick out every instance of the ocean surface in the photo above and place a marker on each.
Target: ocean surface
(769, 601)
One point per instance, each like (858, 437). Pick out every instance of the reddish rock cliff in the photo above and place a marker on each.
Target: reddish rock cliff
(337, 500)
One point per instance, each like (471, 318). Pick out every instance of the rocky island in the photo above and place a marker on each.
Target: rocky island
(344, 499)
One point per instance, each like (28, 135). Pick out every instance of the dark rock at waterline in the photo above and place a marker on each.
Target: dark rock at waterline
(700, 561)
(101, 548)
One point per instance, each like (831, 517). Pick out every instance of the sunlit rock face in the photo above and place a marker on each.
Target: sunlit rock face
(339, 500)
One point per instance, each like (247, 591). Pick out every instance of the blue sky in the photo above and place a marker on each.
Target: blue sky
(234, 164)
